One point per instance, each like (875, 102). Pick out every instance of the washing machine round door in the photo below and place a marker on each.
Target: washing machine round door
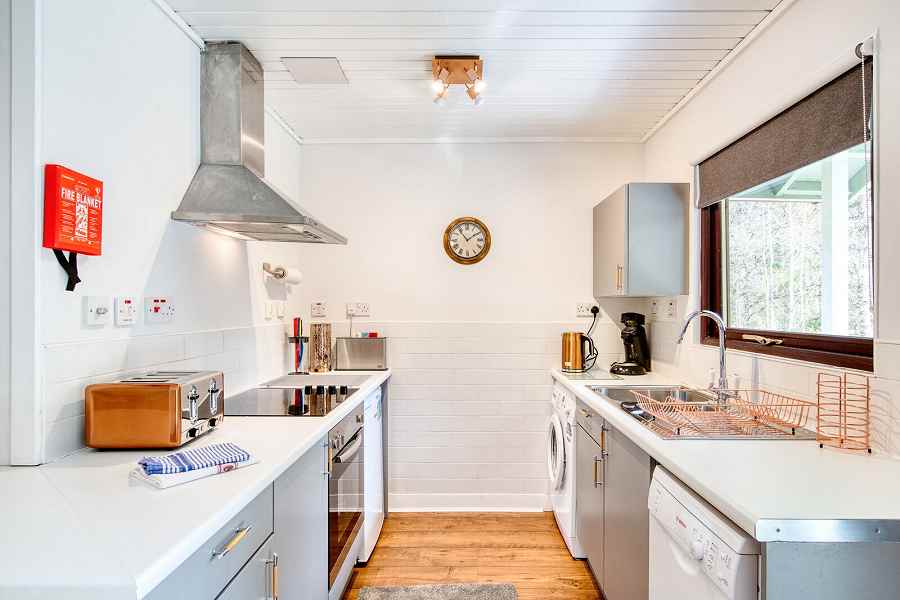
(556, 452)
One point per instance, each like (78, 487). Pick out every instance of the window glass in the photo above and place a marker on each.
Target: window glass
(798, 250)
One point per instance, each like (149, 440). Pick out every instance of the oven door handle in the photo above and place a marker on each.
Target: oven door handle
(348, 452)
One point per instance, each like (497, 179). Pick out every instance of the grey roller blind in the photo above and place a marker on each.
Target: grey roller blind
(824, 123)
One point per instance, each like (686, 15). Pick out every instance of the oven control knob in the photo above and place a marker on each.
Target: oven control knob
(192, 432)
(212, 422)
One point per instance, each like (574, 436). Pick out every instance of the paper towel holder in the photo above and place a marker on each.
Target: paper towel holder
(276, 271)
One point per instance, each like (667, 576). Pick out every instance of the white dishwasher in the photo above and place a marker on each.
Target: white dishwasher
(695, 551)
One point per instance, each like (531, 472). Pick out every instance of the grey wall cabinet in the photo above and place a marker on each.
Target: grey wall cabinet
(301, 527)
(641, 241)
(612, 479)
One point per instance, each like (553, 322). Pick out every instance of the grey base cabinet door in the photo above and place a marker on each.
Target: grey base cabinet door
(257, 580)
(589, 501)
(627, 474)
(301, 527)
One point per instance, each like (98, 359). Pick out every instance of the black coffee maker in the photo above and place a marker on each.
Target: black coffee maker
(637, 351)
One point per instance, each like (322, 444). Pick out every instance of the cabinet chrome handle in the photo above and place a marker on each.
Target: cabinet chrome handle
(598, 469)
(239, 534)
(274, 577)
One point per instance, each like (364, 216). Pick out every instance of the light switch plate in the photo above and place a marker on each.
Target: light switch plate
(357, 309)
(318, 310)
(97, 311)
(654, 307)
(126, 311)
(159, 309)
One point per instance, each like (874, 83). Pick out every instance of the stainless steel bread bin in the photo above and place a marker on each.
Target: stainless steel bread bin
(360, 354)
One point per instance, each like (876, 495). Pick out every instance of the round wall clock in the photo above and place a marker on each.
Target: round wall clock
(467, 240)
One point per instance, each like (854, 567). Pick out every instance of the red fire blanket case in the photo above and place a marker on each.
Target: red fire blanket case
(73, 217)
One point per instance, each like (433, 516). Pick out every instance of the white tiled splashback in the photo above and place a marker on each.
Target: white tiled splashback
(691, 363)
(469, 407)
(245, 355)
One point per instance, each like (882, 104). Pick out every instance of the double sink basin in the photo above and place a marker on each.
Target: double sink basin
(687, 413)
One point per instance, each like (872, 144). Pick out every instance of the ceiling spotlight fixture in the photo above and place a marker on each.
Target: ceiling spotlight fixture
(467, 71)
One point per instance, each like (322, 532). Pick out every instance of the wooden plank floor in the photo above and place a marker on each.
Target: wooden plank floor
(525, 549)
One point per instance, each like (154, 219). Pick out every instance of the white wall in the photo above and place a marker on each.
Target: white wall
(5, 108)
(778, 65)
(122, 104)
(470, 346)
(394, 201)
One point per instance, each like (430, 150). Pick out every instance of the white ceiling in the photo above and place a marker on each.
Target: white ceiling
(577, 69)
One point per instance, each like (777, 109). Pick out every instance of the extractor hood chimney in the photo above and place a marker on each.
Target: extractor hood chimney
(229, 194)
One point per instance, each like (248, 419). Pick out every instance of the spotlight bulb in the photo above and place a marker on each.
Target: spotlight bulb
(480, 85)
(437, 85)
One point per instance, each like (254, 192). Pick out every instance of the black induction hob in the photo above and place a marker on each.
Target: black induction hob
(308, 401)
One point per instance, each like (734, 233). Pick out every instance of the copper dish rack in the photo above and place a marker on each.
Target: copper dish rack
(843, 411)
(746, 414)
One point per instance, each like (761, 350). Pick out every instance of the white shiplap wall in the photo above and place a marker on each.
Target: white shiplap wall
(469, 407)
(246, 355)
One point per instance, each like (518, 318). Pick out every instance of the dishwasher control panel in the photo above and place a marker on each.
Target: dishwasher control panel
(729, 570)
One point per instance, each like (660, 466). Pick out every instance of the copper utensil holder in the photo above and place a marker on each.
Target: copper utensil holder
(842, 417)
(320, 348)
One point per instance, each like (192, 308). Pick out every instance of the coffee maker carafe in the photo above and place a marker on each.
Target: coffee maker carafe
(637, 351)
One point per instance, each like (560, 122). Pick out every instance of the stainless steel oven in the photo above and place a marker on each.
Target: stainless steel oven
(345, 489)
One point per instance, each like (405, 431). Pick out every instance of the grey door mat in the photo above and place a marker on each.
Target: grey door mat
(449, 591)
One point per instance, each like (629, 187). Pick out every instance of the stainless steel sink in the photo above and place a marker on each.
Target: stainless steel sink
(688, 413)
(680, 394)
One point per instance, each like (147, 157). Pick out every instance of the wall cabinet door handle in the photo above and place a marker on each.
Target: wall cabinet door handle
(620, 278)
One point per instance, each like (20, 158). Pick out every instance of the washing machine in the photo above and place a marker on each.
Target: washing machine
(561, 465)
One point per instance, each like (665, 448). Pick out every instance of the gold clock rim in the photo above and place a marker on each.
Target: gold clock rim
(478, 257)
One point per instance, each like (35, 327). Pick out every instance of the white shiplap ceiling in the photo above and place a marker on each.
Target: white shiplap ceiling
(573, 69)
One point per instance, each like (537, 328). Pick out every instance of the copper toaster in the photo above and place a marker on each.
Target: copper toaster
(163, 409)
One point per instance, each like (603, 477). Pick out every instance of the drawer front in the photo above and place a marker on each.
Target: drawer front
(257, 580)
(209, 569)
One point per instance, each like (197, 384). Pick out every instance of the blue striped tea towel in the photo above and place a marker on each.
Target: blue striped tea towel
(195, 458)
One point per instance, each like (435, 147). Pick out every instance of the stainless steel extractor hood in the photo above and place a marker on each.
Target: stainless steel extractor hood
(229, 194)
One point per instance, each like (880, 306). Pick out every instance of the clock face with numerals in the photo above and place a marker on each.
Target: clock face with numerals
(467, 240)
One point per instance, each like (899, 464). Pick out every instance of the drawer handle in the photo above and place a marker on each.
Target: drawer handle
(239, 535)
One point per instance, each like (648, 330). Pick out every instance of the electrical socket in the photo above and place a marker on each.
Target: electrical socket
(97, 311)
(669, 308)
(583, 309)
(159, 309)
(654, 307)
(318, 310)
(357, 309)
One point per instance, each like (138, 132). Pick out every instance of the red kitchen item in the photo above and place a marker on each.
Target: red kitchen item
(73, 216)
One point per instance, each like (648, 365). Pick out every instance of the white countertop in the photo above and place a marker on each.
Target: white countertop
(764, 485)
(80, 528)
